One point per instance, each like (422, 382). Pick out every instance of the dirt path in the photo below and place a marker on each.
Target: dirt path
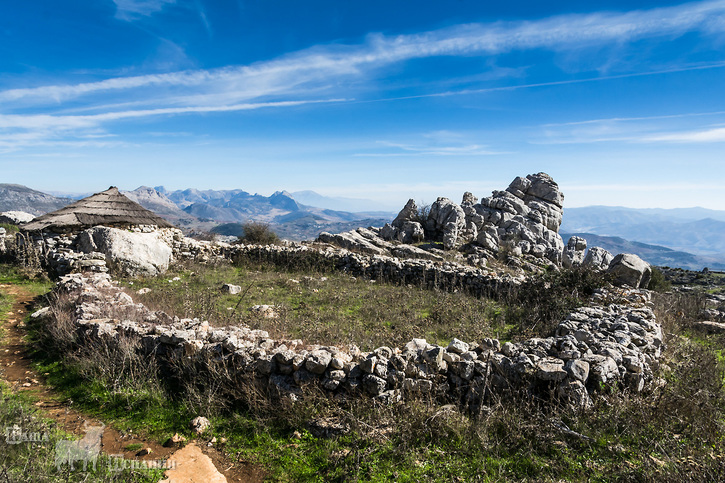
(16, 368)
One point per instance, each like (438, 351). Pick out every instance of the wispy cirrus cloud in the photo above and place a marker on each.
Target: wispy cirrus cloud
(398, 149)
(17, 131)
(565, 32)
(325, 72)
(133, 9)
(675, 128)
(710, 135)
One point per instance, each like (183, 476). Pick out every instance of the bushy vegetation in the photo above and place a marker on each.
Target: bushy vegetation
(9, 227)
(258, 233)
(535, 308)
(658, 282)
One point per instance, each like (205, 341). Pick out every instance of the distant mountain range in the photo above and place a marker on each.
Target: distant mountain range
(654, 254)
(691, 238)
(693, 230)
(204, 209)
(354, 205)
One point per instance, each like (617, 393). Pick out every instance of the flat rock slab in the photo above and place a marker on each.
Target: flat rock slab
(192, 466)
(712, 327)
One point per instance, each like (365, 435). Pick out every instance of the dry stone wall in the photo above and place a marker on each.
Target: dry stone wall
(419, 272)
(594, 347)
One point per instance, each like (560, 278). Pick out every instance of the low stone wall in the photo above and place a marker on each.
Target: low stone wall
(448, 276)
(63, 253)
(594, 347)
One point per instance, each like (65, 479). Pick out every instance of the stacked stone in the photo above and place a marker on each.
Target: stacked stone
(594, 347)
(442, 275)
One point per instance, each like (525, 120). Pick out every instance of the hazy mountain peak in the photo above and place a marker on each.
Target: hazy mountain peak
(16, 197)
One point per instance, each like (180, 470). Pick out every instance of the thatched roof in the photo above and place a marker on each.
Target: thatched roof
(109, 208)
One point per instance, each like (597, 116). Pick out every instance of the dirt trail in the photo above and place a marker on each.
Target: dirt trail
(16, 368)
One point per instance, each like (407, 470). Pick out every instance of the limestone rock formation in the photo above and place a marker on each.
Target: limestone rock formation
(408, 213)
(629, 269)
(404, 228)
(574, 252)
(446, 221)
(598, 258)
(127, 252)
(525, 218)
(353, 240)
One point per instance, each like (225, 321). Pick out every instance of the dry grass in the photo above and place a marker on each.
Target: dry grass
(328, 309)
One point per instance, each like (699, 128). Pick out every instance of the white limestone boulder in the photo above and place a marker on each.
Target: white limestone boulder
(128, 253)
(629, 269)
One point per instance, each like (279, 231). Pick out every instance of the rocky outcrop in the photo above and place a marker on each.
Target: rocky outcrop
(128, 252)
(373, 241)
(524, 219)
(354, 240)
(628, 269)
(574, 252)
(446, 221)
(597, 258)
(405, 228)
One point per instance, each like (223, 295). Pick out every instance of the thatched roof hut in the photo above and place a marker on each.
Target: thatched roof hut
(108, 208)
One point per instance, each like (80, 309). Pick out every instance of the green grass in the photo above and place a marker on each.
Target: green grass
(34, 283)
(35, 462)
(9, 227)
(339, 310)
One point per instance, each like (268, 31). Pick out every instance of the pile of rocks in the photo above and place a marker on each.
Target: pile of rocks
(593, 347)
(714, 308)
(523, 219)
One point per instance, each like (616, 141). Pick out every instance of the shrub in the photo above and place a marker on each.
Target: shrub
(258, 233)
(658, 282)
(421, 216)
(537, 306)
(9, 227)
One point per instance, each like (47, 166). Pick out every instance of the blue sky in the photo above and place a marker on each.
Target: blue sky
(621, 102)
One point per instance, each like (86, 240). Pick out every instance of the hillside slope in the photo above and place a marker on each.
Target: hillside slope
(15, 197)
(691, 230)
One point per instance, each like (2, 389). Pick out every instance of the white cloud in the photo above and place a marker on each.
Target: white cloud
(27, 130)
(132, 9)
(644, 129)
(713, 135)
(564, 32)
(398, 149)
(319, 73)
